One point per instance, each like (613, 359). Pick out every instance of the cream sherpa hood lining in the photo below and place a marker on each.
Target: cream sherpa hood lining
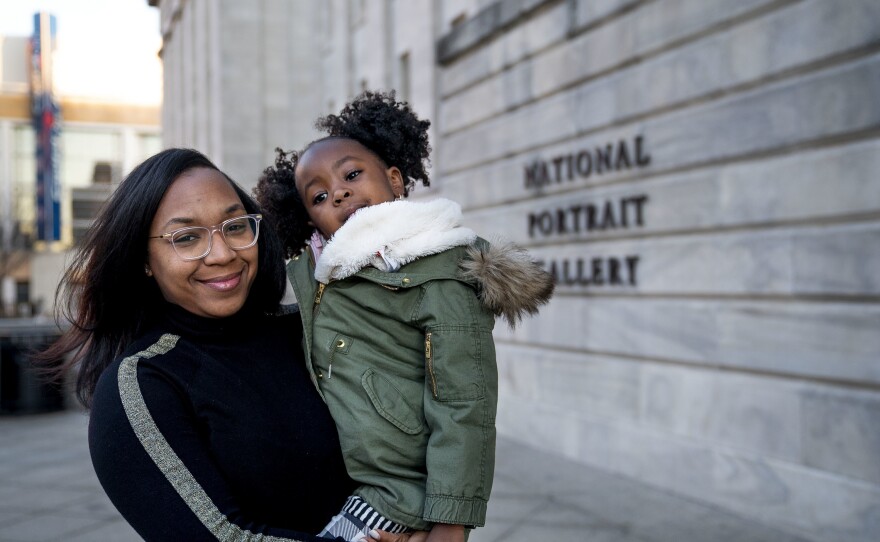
(390, 235)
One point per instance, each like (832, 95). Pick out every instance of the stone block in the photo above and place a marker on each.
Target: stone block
(842, 433)
(819, 340)
(676, 464)
(603, 386)
(600, 386)
(838, 260)
(748, 412)
(732, 56)
(518, 370)
(607, 445)
(835, 181)
(755, 414)
(659, 25)
(825, 340)
(822, 507)
(589, 13)
(536, 423)
(483, 26)
(534, 34)
(822, 183)
(831, 260)
(810, 502)
(703, 265)
(833, 103)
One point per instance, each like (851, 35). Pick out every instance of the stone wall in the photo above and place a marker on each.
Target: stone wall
(378, 45)
(701, 177)
(240, 79)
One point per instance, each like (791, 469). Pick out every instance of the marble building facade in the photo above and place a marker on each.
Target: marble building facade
(700, 176)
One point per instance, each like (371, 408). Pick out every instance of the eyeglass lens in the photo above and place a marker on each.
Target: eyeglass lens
(195, 242)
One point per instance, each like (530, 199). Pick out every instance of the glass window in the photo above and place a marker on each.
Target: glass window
(148, 145)
(24, 177)
(403, 85)
(82, 149)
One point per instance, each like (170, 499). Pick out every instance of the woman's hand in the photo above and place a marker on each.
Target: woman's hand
(378, 535)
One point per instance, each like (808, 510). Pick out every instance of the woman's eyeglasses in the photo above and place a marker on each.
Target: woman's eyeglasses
(194, 242)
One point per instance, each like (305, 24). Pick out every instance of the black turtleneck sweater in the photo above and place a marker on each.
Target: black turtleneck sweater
(211, 429)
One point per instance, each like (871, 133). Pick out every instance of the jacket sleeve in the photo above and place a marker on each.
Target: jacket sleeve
(460, 400)
(156, 470)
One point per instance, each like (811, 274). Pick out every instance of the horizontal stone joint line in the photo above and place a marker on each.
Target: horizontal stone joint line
(708, 367)
(860, 299)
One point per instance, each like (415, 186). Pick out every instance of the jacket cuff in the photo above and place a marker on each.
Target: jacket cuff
(470, 512)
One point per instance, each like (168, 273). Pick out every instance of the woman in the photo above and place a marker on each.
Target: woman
(204, 422)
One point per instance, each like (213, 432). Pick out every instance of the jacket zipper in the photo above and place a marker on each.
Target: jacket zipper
(430, 359)
(318, 296)
(321, 287)
(330, 365)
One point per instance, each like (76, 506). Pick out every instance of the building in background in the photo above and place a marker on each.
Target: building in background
(238, 99)
(229, 89)
(96, 142)
(700, 176)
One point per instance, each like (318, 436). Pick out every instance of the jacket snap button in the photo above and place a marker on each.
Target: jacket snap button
(406, 281)
(340, 344)
(320, 375)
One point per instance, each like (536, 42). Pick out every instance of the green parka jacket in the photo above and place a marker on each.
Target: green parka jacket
(405, 359)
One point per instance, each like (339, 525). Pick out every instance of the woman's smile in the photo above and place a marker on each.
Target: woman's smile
(224, 283)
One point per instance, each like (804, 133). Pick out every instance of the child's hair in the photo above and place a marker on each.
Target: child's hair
(376, 120)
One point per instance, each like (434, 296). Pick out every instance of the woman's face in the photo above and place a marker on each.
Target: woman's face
(338, 177)
(218, 284)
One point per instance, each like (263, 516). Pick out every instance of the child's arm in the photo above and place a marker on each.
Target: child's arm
(460, 400)
(444, 532)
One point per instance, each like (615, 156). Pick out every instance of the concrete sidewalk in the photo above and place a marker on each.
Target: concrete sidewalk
(48, 491)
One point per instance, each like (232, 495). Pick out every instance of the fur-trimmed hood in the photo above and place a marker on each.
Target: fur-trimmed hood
(511, 284)
(390, 235)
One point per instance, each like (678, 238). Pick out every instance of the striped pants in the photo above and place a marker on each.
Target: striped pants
(356, 519)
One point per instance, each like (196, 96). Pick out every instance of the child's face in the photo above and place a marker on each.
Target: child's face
(337, 177)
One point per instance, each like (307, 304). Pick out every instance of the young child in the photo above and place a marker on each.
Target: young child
(398, 303)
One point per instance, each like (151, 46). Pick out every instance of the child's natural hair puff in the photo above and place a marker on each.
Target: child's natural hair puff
(280, 202)
(387, 127)
(376, 120)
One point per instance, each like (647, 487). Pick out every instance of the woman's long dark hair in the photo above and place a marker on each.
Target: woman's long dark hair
(105, 294)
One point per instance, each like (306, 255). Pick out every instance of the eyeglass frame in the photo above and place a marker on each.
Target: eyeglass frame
(168, 236)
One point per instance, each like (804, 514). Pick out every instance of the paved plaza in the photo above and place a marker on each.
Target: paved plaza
(48, 492)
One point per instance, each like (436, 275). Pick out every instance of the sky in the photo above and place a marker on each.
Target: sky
(107, 49)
